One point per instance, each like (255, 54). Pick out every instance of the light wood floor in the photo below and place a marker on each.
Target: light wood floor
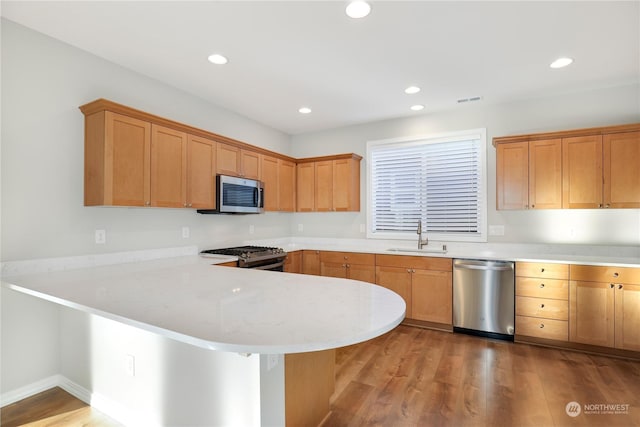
(417, 377)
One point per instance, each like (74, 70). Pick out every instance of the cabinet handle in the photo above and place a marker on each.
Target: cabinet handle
(619, 286)
(541, 325)
(541, 305)
(541, 285)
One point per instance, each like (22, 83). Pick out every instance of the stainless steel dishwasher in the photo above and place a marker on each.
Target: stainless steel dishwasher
(483, 298)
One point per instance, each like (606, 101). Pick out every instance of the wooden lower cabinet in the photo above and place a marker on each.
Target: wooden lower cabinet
(293, 263)
(311, 262)
(309, 383)
(425, 283)
(348, 265)
(605, 306)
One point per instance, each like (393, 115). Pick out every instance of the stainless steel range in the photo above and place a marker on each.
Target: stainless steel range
(258, 257)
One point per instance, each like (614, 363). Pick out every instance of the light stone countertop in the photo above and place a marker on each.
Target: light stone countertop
(221, 308)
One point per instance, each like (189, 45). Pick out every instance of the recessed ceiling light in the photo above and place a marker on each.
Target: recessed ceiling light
(411, 90)
(561, 62)
(304, 110)
(217, 59)
(417, 107)
(358, 9)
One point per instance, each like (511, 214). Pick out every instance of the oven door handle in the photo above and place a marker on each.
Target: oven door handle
(268, 266)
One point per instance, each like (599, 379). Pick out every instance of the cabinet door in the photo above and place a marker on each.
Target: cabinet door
(324, 186)
(249, 164)
(346, 185)
(545, 174)
(621, 158)
(286, 185)
(306, 187)
(432, 296)
(366, 273)
(168, 167)
(582, 172)
(228, 160)
(591, 313)
(293, 263)
(512, 176)
(127, 174)
(311, 262)
(269, 178)
(398, 279)
(333, 269)
(201, 173)
(627, 301)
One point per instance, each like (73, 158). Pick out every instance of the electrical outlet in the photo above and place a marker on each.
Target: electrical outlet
(496, 230)
(252, 229)
(101, 237)
(362, 228)
(130, 365)
(272, 361)
(185, 232)
(300, 228)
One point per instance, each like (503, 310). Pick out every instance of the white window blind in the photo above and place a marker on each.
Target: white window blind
(439, 181)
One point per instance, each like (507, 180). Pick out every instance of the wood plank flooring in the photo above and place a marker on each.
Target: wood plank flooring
(417, 377)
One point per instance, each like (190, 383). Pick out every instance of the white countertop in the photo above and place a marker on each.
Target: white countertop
(222, 308)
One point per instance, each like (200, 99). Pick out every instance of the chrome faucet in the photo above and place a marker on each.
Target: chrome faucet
(421, 242)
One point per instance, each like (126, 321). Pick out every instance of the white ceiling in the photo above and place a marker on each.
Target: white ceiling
(288, 54)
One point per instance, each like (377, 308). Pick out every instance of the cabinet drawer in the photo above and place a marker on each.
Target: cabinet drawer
(542, 269)
(416, 262)
(541, 307)
(542, 288)
(590, 273)
(348, 257)
(542, 328)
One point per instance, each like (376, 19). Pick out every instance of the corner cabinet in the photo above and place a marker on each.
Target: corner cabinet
(329, 184)
(577, 169)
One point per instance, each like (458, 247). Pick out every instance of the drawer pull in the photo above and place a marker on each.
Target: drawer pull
(541, 325)
(541, 305)
(541, 285)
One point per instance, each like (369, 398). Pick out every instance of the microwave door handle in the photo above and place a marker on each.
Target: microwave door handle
(261, 197)
(256, 197)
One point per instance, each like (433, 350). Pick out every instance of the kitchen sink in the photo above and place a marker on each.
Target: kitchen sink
(442, 250)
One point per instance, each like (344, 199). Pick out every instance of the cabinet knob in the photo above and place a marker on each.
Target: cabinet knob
(184, 205)
(541, 305)
(408, 270)
(607, 205)
(541, 285)
(542, 270)
(600, 205)
(190, 204)
(541, 325)
(533, 206)
(611, 285)
(346, 257)
(344, 265)
(348, 266)
(147, 203)
(615, 274)
(619, 286)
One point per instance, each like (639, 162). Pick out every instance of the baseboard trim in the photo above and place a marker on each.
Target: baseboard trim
(29, 390)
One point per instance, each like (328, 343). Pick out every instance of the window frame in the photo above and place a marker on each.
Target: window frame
(481, 135)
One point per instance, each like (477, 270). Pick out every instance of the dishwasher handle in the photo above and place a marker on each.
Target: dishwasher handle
(483, 266)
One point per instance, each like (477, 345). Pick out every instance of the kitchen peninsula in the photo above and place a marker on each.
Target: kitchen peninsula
(247, 321)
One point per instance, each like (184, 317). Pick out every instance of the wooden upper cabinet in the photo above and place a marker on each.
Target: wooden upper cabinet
(512, 176)
(168, 167)
(305, 191)
(545, 174)
(582, 172)
(286, 185)
(621, 167)
(227, 160)
(323, 191)
(346, 184)
(117, 160)
(269, 178)
(201, 173)
(249, 164)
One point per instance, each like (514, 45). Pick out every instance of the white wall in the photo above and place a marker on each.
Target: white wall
(605, 106)
(44, 82)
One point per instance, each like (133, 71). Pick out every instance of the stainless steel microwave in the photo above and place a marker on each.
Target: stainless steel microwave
(237, 195)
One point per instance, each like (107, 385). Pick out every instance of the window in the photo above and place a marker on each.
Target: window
(439, 180)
